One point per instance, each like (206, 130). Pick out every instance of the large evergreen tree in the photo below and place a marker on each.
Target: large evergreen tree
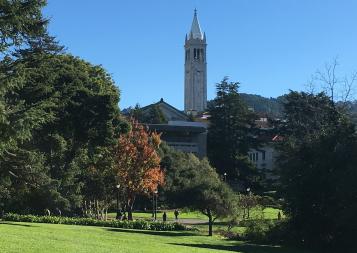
(20, 168)
(231, 133)
(318, 171)
(20, 22)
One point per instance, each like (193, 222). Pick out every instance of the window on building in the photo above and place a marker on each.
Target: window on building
(196, 53)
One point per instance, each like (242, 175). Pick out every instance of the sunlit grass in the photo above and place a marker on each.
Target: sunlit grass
(41, 238)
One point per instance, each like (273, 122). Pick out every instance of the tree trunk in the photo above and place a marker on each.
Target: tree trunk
(130, 208)
(210, 222)
(130, 212)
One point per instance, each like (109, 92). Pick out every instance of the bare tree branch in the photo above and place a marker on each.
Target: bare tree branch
(328, 78)
(341, 89)
(348, 86)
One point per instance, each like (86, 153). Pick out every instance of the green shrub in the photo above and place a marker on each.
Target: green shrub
(257, 230)
(136, 224)
(268, 231)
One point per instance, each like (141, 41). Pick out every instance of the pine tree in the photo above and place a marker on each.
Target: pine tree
(231, 133)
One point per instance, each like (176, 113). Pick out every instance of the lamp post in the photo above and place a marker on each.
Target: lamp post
(249, 202)
(156, 193)
(225, 177)
(118, 207)
(153, 205)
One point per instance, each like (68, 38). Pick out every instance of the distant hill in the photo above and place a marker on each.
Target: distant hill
(270, 106)
(273, 107)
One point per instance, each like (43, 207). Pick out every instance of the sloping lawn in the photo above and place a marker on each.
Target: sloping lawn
(38, 238)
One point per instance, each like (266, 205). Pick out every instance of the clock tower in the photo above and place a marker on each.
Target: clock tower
(195, 69)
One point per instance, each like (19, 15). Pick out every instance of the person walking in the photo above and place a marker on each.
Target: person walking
(176, 213)
(164, 217)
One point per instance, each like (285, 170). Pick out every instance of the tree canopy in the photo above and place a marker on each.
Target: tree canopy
(318, 170)
(69, 111)
(231, 133)
(137, 163)
(193, 183)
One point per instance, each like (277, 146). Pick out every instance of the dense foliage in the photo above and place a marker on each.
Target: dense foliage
(137, 164)
(59, 117)
(193, 183)
(318, 171)
(74, 106)
(231, 134)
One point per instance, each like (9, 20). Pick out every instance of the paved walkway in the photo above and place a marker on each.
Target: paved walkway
(190, 221)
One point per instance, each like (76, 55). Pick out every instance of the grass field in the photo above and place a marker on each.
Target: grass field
(268, 213)
(39, 238)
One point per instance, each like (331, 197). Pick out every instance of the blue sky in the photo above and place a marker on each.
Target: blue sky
(270, 46)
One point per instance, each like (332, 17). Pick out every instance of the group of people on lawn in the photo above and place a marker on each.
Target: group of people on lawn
(121, 216)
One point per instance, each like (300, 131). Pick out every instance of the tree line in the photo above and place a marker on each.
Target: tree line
(65, 147)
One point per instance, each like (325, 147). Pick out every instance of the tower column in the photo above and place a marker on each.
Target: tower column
(195, 69)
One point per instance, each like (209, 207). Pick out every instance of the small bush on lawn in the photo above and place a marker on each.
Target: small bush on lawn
(261, 231)
(258, 230)
(268, 231)
(137, 224)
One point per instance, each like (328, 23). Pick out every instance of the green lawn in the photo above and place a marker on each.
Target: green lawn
(268, 213)
(38, 238)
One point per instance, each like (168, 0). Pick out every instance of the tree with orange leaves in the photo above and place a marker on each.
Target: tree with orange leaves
(137, 163)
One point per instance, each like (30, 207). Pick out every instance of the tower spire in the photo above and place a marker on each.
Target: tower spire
(195, 32)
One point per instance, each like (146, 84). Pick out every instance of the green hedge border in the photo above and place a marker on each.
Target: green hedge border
(136, 224)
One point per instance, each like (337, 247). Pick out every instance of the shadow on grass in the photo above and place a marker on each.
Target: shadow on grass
(244, 248)
(151, 232)
(15, 224)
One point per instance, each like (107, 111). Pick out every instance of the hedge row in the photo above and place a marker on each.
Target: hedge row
(136, 224)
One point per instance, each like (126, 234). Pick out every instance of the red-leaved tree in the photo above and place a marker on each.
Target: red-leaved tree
(137, 163)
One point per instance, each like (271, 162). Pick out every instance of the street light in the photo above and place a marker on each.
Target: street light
(118, 207)
(155, 212)
(153, 205)
(249, 201)
(225, 177)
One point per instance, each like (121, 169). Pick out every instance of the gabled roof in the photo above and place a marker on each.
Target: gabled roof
(171, 113)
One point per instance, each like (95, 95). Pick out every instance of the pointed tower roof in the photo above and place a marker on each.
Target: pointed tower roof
(195, 32)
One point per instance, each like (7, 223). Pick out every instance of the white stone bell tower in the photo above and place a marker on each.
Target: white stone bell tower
(195, 69)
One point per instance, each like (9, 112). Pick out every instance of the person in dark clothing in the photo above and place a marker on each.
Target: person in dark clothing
(176, 213)
(164, 217)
